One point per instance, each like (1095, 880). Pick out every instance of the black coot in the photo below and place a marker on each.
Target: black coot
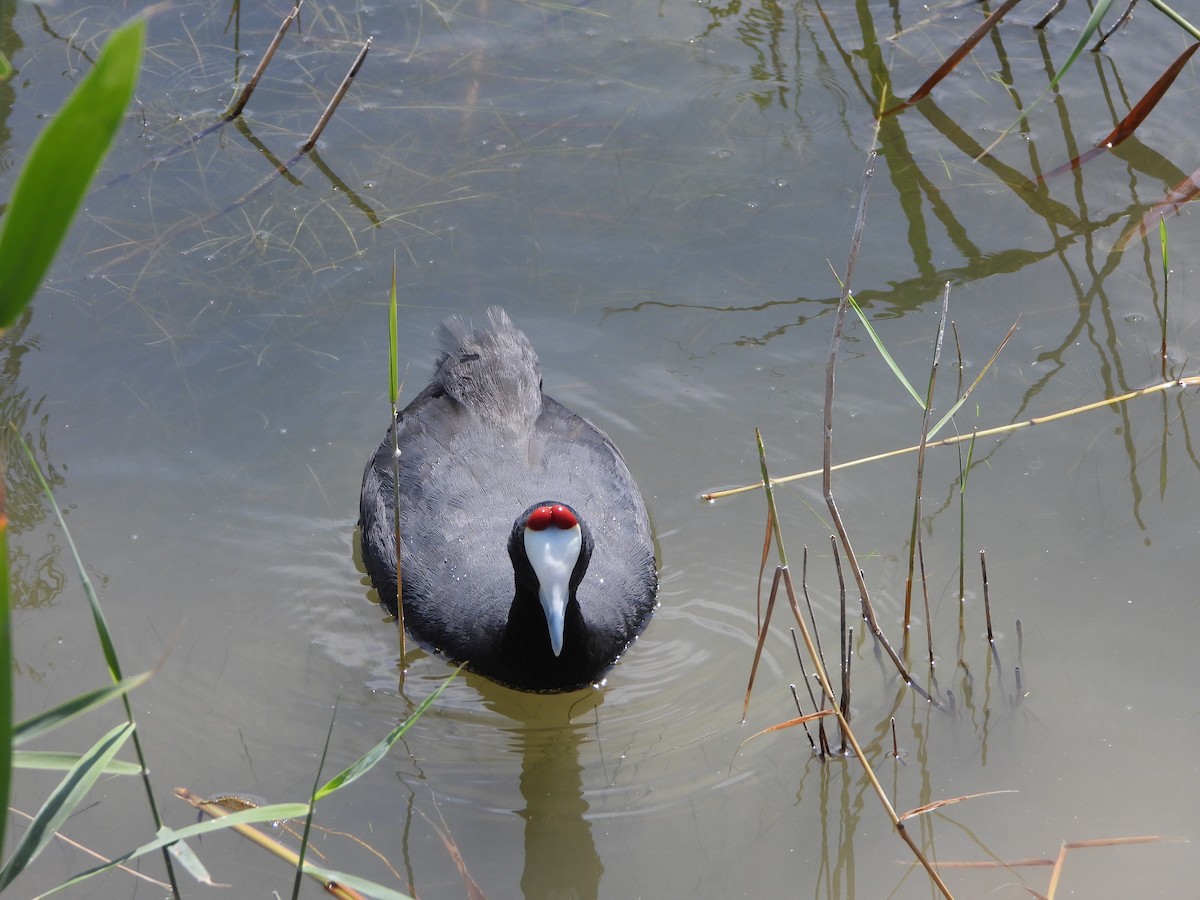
(525, 545)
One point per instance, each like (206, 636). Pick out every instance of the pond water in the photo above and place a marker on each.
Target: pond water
(657, 194)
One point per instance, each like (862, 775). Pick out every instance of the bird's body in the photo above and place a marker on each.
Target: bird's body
(481, 449)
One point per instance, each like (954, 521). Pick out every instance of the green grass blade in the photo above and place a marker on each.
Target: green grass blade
(1090, 28)
(312, 809)
(54, 761)
(63, 800)
(6, 667)
(168, 836)
(380, 750)
(47, 721)
(61, 165)
(883, 351)
(5, 67)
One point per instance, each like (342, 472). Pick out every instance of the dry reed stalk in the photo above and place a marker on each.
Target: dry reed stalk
(1182, 382)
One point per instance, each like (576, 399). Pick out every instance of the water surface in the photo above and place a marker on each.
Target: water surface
(656, 193)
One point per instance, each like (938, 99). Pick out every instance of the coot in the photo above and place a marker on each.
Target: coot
(525, 545)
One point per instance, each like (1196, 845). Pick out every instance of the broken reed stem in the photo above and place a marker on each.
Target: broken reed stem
(914, 538)
(812, 618)
(758, 647)
(824, 750)
(800, 710)
(925, 599)
(987, 601)
(216, 811)
(1186, 382)
(844, 642)
(332, 106)
(846, 681)
(963, 471)
(827, 439)
(962, 499)
(240, 103)
(844, 645)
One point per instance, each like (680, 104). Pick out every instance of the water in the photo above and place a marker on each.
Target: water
(655, 193)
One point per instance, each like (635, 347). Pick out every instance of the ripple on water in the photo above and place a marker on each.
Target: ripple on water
(662, 727)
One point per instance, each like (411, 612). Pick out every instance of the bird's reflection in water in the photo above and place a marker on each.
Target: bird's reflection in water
(560, 852)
